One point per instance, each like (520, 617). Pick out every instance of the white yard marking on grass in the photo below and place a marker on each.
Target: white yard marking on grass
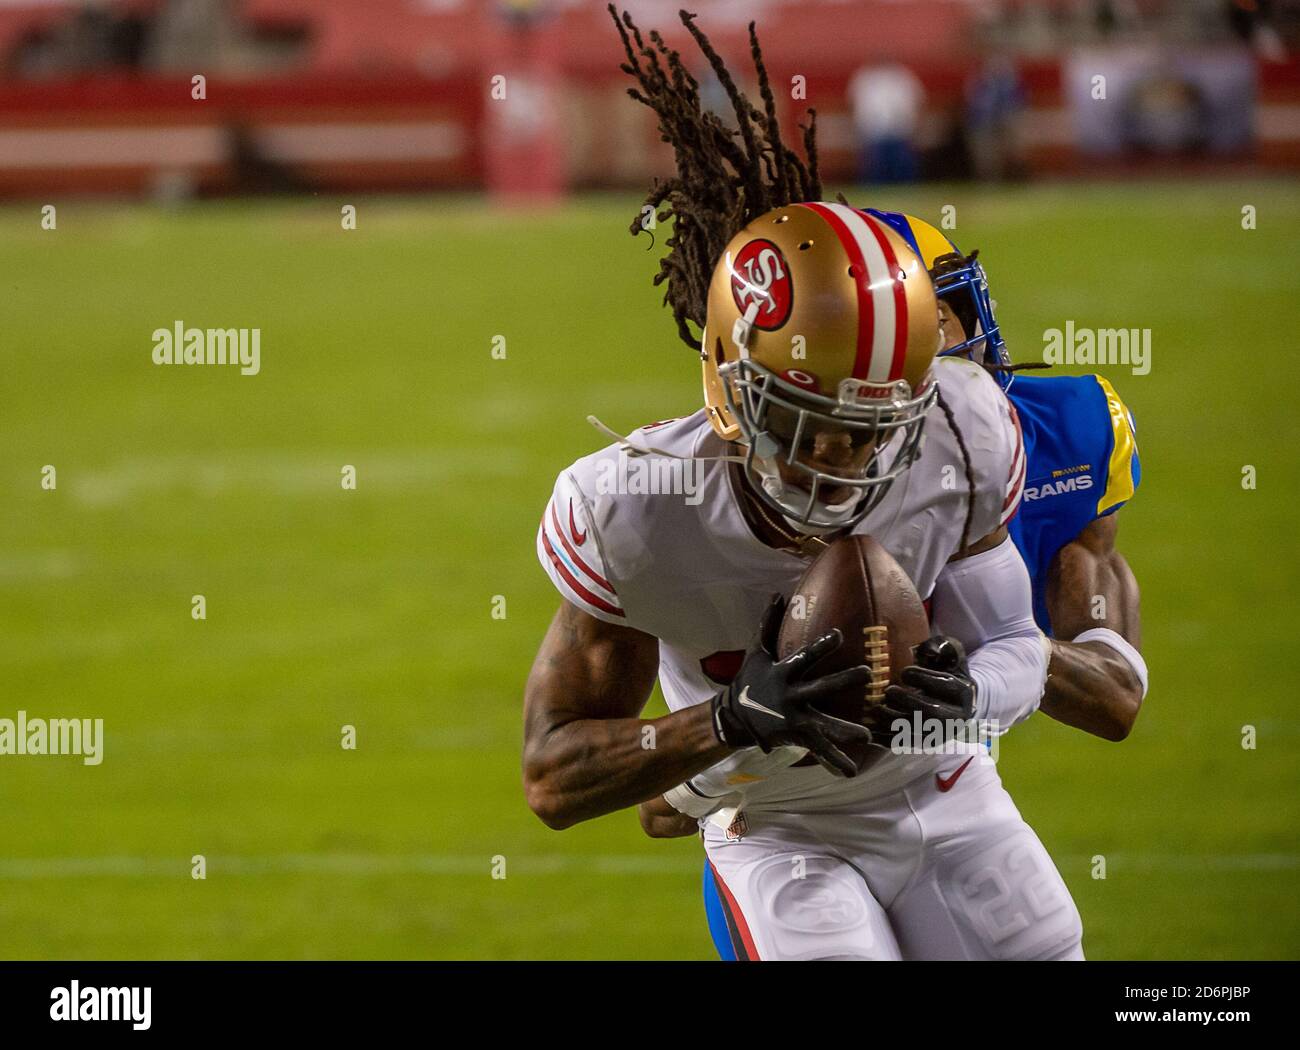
(342, 864)
(1180, 862)
(522, 865)
(37, 565)
(287, 473)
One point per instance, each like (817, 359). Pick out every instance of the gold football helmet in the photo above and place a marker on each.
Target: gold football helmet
(821, 328)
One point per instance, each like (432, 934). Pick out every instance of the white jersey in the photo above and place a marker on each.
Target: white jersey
(662, 546)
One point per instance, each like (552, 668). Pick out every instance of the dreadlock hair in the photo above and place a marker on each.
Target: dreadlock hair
(721, 183)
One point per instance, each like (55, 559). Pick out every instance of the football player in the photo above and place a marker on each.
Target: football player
(819, 334)
(1082, 467)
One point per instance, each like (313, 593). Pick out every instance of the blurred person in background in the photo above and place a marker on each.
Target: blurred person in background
(886, 99)
(994, 108)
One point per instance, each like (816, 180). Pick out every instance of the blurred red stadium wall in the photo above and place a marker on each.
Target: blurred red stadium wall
(395, 94)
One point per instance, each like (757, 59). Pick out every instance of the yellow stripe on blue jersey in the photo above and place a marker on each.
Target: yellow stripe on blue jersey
(1083, 463)
(1119, 476)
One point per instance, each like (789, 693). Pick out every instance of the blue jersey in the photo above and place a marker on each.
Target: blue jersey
(1082, 465)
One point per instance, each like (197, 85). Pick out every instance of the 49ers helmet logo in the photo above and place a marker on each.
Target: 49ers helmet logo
(760, 274)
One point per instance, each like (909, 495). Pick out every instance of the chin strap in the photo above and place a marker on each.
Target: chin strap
(627, 446)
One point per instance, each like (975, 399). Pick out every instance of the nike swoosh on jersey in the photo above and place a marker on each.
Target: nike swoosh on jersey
(946, 784)
(745, 701)
(578, 540)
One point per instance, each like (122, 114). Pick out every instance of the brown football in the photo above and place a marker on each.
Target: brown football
(857, 586)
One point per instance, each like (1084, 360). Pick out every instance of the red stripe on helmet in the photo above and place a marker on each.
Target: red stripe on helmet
(900, 299)
(866, 309)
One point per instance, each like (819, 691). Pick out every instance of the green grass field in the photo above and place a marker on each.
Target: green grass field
(373, 607)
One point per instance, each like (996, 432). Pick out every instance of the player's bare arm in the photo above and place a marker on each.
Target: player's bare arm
(586, 750)
(1090, 685)
(586, 753)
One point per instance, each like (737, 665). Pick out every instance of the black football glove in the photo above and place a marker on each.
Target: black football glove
(938, 685)
(770, 703)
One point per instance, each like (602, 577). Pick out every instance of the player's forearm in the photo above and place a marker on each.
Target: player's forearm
(986, 602)
(1092, 687)
(1087, 589)
(589, 767)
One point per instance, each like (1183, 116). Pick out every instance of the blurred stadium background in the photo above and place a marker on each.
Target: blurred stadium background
(478, 217)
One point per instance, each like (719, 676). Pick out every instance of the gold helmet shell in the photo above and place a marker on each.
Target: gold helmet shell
(824, 297)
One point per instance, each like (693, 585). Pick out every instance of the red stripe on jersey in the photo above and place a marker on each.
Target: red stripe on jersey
(742, 927)
(1013, 486)
(866, 309)
(900, 300)
(592, 599)
(1013, 498)
(568, 548)
(1016, 476)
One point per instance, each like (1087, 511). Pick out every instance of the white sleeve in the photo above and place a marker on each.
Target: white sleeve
(570, 551)
(986, 603)
(991, 438)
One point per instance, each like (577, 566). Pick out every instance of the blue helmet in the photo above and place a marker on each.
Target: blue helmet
(960, 282)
